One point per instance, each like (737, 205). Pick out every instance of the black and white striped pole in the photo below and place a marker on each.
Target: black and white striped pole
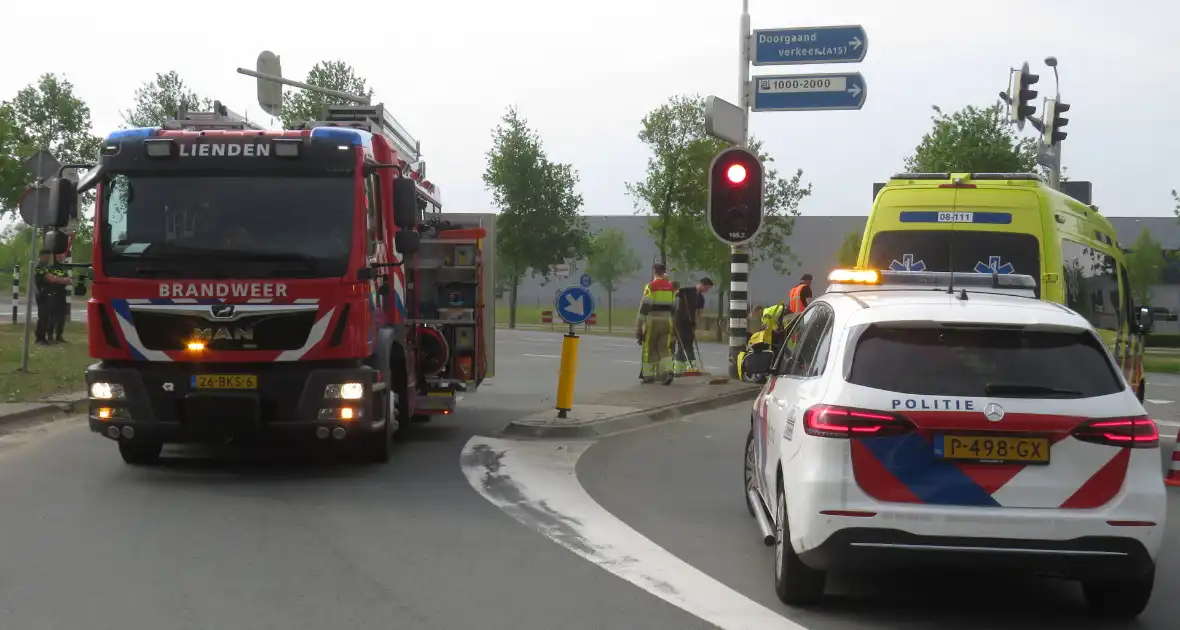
(736, 188)
(16, 293)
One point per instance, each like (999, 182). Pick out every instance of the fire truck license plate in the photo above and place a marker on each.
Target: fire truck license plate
(225, 381)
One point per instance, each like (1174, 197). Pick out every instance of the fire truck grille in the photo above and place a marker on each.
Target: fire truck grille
(278, 331)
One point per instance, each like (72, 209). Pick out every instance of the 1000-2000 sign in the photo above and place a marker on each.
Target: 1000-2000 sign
(803, 84)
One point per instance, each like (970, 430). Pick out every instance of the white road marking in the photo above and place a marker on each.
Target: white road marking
(542, 356)
(536, 483)
(1158, 402)
(626, 361)
(1155, 384)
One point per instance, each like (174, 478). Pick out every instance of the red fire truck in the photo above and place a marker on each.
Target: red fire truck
(298, 283)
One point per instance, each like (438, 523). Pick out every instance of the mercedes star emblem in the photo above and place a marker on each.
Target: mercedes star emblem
(993, 412)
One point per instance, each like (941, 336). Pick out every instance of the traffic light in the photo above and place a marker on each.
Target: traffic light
(735, 196)
(1021, 93)
(1054, 121)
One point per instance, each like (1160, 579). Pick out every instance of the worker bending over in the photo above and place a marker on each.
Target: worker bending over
(653, 327)
(689, 303)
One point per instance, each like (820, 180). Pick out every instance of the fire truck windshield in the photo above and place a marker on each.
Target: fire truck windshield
(181, 225)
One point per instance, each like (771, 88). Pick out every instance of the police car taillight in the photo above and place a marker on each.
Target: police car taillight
(1135, 432)
(842, 422)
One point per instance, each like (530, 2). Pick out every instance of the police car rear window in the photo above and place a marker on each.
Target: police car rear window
(995, 362)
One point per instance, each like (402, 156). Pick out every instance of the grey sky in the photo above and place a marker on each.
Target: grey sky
(585, 73)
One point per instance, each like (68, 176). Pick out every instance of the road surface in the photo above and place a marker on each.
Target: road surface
(678, 485)
(260, 542)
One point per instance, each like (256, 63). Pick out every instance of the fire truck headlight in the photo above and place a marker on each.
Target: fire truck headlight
(287, 147)
(107, 391)
(345, 391)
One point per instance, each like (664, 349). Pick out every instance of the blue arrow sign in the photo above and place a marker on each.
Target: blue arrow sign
(809, 92)
(817, 44)
(585, 281)
(574, 305)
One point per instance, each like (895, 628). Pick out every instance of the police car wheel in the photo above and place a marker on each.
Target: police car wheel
(795, 583)
(140, 453)
(1119, 600)
(748, 473)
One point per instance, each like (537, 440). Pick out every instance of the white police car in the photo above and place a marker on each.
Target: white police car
(905, 424)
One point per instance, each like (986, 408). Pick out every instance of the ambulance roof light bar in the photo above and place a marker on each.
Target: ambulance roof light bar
(220, 118)
(845, 280)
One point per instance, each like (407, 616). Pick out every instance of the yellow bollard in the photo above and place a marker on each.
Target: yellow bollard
(565, 377)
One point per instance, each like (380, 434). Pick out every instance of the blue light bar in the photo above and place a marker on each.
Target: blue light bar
(138, 132)
(341, 134)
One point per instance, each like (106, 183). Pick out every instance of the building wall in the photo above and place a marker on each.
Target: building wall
(815, 242)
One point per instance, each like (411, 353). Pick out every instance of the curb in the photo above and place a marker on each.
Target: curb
(634, 420)
(46, 412)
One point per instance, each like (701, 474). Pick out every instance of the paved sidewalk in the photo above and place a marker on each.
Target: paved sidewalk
(634, 407)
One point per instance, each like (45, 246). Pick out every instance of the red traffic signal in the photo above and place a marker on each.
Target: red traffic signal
(735, 196)
(736, 173)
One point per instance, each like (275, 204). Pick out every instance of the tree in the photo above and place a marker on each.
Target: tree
(1176, 200)
(1145, 266)
(611, 260)
(849, 249)
(301, 105)
(539, 224)
(676, 188)
(159, 100)
(45, 114)
(973, 140)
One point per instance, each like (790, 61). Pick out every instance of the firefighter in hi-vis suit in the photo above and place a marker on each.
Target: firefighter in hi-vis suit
(653, 327)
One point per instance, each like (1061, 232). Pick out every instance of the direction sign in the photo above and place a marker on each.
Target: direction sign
(585, 281)
(574, 305)
(809, 92)
(817, 44)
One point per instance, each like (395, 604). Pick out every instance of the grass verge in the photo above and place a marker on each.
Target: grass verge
(1169, 364)
(56, 369)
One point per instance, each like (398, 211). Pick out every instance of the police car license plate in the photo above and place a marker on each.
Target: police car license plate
(225, 381)
(993, 449)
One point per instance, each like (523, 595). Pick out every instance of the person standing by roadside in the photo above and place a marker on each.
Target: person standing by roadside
(48, 285)
(653, 327)
(61, 308)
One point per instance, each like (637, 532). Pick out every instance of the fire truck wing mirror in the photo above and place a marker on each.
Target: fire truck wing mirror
(407, 242)
(56, 242)
(63, 201)
(405, 203)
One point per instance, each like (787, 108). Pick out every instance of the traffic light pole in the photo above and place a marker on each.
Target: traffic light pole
(739, 255)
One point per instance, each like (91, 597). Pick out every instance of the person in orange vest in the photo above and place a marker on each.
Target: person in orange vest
(801, 294)
(653, 327)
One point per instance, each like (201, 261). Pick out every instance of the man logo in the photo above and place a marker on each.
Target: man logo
(222, 311)
(993, 412)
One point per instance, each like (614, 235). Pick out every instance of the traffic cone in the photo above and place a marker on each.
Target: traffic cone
(1173, 476)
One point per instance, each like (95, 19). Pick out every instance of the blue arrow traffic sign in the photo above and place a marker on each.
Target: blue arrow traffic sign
(574, 305)
(809, 92)
(585, 281)
(817, 44)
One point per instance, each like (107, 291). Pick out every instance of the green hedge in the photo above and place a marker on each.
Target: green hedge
(1163, 340)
